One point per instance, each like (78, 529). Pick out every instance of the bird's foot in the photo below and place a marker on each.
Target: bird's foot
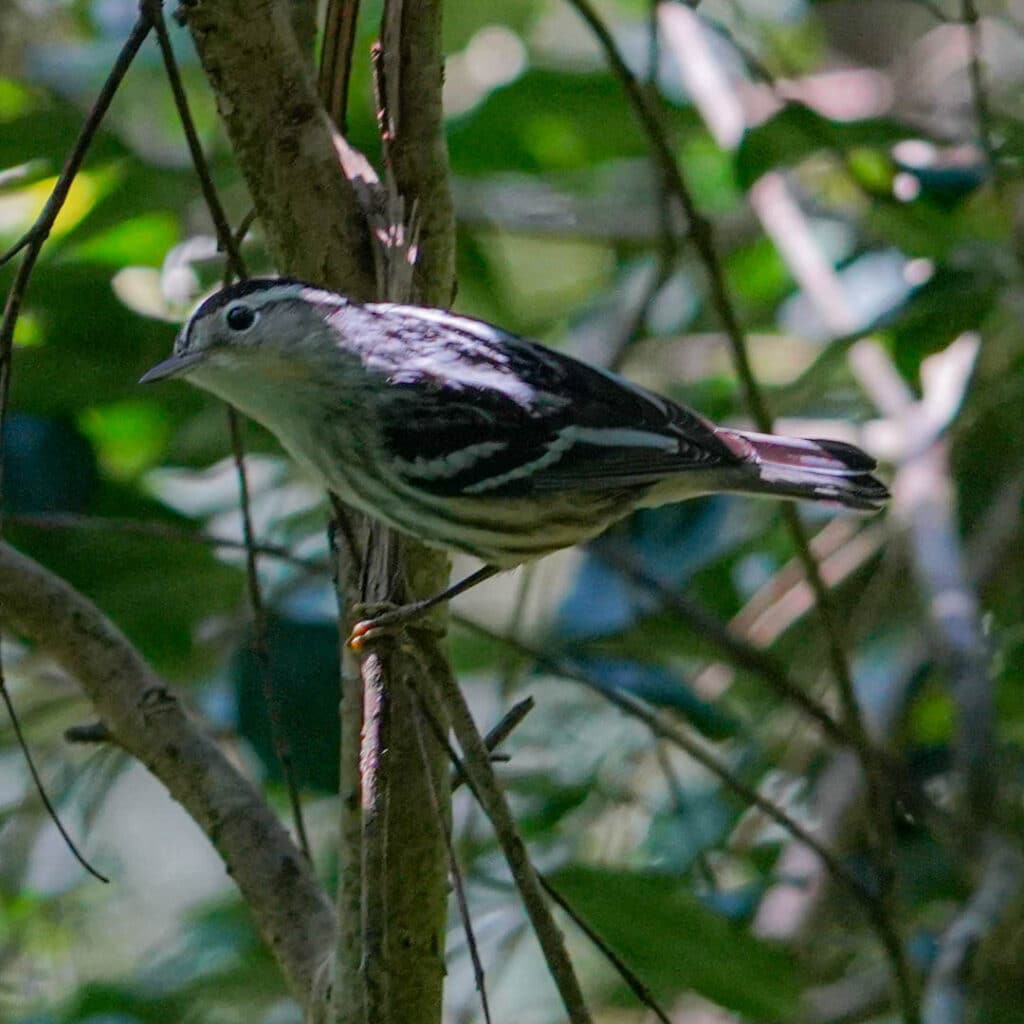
(378, 621)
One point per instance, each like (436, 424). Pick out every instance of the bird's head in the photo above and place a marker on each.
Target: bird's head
(259, 342)
(260, 331)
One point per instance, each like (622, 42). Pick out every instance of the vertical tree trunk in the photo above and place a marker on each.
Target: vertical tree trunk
(292, 161)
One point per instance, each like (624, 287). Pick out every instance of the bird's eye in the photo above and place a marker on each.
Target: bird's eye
(240, 317)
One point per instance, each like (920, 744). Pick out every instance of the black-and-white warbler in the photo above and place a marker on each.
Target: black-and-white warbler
(467, 437)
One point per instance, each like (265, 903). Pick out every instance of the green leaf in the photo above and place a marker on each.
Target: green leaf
(551, 120)
(303, 660)
(953, 301)
(143, 239)
(797, 132)
(675, 943)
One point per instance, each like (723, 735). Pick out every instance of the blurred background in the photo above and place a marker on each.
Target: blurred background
(860, 162)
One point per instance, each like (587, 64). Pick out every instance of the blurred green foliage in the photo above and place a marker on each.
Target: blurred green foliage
(560, 229)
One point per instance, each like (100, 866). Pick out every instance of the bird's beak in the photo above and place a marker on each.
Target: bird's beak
(177, 363)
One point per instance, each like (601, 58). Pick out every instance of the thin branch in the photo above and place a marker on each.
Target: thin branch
(225, 236)
(480, 776)
(375, 770)
(874, 908)
(736, 649)
(1001, 878)
(416, 152)
(336, 58)
(702, 236)
(680, 804)
(454, 868)
(91, 732)
(348, 1003)
(157, 531)
(236, 266)
(628, 975)
(497, 735)
(148, 722)
(32, 243)
(37, 782)
(261, 648)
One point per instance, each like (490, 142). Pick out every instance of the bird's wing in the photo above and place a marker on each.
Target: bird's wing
(473, 410)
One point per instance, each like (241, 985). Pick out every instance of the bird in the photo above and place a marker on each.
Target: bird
(470, 438)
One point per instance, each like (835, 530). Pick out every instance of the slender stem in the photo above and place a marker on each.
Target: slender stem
(146, 720)
(236, 266)
(155, 530)
(348, 1001)
(496, 736)
(225, 236)
(282, 747)
(480, 776)
(741, 653)
(375, 771)
(628, 975)
(702, 236)
(336, 58)
(454, 868)
(874, 908)
(32, 243)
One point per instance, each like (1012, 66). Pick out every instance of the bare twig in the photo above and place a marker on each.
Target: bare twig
(146, 720)
(979, 94)
(348, 1002)
(92, 732)
(37, 782)
(739, 651)
(1000, 880)
(628, 975)
(155, 530)
(679, 802)
(375, 772)
(336, 58)
(496, 736)
(702, 236)
(873, 907)
(32, 243)
(454, 868)
(226, 240)
(480, 775)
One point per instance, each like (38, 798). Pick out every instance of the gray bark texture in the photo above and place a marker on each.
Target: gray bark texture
(307, 186)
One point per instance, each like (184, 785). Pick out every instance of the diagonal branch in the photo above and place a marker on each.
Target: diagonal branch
(32, 243)
(235, 267)
(702, 236)
(477, 769)
(147, 720)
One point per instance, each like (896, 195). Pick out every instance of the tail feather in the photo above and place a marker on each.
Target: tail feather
(814, 469)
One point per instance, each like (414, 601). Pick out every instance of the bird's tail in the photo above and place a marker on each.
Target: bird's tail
(817, 470)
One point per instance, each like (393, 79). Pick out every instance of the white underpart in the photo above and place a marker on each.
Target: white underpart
(451, 464)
